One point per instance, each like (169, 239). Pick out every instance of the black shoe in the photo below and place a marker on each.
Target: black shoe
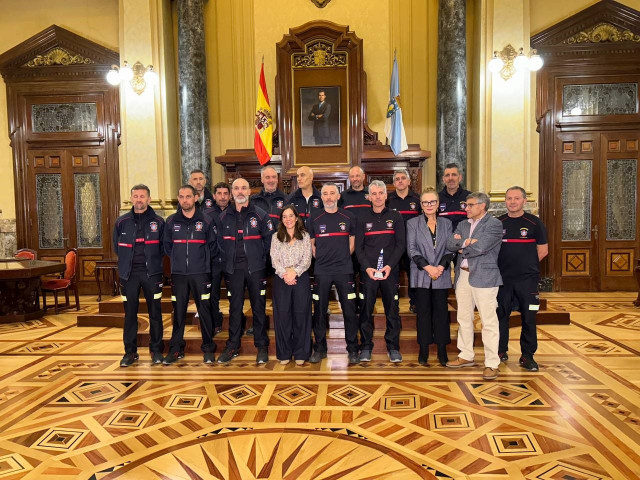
(413, 308)
(443, 358)
(227, 355)
(316, 357)
(262, 355)
(503, 357)
(208, 357)
(528, 363)
(354, 358)
(128, 359)
(249, 332)
(216, 331)
(180, 354)
(423, 357)
(156, 358)
(395, 356)
(172, 357)
(365, 356)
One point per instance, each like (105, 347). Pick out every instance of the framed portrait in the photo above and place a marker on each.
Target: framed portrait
(320, 116)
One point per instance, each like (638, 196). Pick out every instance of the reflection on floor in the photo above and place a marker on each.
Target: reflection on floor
(68, 411)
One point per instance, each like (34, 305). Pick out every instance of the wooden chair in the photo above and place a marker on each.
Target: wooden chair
(26, 253)
(66, 282)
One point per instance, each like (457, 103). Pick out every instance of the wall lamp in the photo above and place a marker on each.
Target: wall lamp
(507, 61)
(138, 76)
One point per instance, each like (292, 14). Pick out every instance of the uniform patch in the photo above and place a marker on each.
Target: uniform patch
(153, 226)
(199, 226)
(279, 204)
(323, 228)
(176, 227)
(389, 223)
(315, 203)
(269, 225)
(369, 226)
(253, 222)
(366, 196)
(208, 202)
(524, 232)
(463, 205)
(443, 207)
(504, 232)
(343, 227)
(412, 205)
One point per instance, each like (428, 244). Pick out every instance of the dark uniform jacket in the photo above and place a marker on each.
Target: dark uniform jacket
(207, 201)
(256, 237)
(272, 203)
(306, 209)
(190, 243)
(380, 231)
(452, 207)
(408, 207)
(124, 239)
(213, 214)
(354, 201)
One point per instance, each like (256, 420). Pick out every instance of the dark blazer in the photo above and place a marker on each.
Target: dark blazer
(482, 255)
(419, 244)
(321, 131)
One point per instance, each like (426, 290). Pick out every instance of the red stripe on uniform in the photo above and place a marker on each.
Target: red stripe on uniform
(196, 241)
(381, 232)
(408, 212)
(125, 245)
(357, 206)
(336, 234)
(229, 238)
(179, 241)
(253, 237)
(139, 240)
(452, 213)
(148, 242)
(519, 240)
(272, 215)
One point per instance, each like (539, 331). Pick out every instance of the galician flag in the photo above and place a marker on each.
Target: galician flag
(393, 127)
(263, 135)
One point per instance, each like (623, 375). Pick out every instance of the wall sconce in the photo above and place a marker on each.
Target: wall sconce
(138, 76)
(507, 62)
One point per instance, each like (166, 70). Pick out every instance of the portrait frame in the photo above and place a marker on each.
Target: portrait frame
(314, 133)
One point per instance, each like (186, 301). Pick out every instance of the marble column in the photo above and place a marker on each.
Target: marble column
(451, 124)
(195, 150)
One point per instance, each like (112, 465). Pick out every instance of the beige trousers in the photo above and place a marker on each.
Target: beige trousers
(485, 299)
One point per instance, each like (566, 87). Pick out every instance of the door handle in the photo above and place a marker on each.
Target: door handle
(595, 231)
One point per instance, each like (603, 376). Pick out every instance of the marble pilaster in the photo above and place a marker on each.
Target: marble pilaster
(451, 122)
(193, 108)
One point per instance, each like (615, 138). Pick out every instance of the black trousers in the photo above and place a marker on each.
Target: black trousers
(130, 291)
(347, 296)
(256, 283)
(199, 286)
(292, 317)
(525, 293)
(216, 280)
(432, 317)
(389, 291)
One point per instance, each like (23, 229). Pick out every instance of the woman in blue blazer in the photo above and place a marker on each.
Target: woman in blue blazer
(427, 237)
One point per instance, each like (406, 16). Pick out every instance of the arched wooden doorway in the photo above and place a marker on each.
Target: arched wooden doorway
(589, 123)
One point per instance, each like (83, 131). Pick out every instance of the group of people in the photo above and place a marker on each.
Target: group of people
(312, 240)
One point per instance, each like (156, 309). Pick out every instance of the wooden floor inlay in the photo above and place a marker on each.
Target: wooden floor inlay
(68, 411)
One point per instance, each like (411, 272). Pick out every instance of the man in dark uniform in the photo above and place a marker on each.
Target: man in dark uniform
(406, 202)
(332, 235)
(319, 115)
(137, 239)
(198, 181)
(453, 198)
(246, 238)
(221, 195)
(380, 243)
(270, 199)
(190, 241)
(524, 245)
(306, 198)
(356, 201)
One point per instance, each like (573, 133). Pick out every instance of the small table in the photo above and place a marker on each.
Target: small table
(20, 288)
(110, 266)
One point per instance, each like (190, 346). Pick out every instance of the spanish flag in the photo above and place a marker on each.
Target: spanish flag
(262, 138)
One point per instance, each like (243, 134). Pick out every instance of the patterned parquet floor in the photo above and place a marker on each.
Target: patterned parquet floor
(68, 411)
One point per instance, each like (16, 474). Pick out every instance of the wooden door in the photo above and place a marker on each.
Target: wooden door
(70, 192)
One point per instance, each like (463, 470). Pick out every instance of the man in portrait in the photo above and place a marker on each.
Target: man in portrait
(320, 114)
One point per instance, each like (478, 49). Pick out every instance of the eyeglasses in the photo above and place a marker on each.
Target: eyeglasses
(429, 203)
(469, 205)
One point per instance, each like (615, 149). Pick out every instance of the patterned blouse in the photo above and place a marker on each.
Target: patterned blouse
(296, 255)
